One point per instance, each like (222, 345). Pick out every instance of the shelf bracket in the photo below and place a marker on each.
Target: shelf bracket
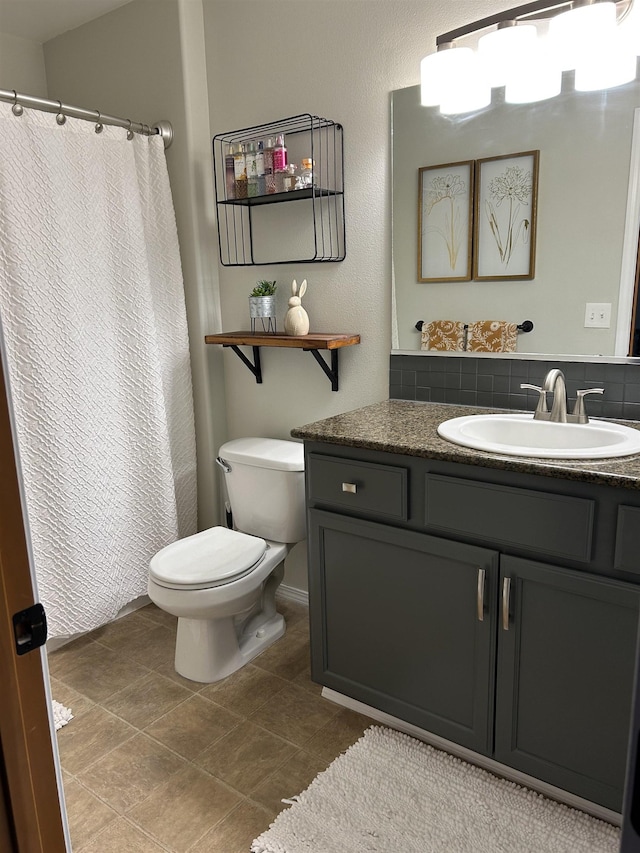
(255, 368)
(332, 372)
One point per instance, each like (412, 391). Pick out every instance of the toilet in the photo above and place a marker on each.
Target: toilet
(221, 583)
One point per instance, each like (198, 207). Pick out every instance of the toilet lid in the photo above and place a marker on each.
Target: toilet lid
(211, 558)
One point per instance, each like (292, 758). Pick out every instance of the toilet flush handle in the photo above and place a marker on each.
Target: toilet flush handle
(224, 465)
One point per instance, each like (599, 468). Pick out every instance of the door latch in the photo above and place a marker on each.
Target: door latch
(30, 628)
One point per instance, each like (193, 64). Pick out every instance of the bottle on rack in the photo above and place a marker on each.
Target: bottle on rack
(279, 154)
(262, 184)
(269, 171)
(289, 178)
(229, 173)
(240, 171)
(307, 177)
(252, 169)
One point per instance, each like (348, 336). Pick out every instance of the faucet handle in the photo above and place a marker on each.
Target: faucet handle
(542, 401)
(579, 410)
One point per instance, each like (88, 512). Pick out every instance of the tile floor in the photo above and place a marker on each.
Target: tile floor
(153, 762)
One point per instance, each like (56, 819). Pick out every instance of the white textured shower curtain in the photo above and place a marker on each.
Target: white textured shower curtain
(93, 319)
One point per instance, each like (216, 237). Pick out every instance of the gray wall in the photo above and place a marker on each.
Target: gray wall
(268, 59)
(22, 66)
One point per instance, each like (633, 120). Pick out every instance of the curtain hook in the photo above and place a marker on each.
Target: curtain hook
(61, 117)
(99, 126)
(16, 109)
(129, 131)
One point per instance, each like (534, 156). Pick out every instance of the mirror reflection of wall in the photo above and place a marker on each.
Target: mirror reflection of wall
(585, 144)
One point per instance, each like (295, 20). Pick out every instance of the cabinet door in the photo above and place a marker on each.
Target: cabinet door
(566, 653)
(395, 622)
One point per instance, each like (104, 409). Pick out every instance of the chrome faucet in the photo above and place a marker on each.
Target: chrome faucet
(554, 382)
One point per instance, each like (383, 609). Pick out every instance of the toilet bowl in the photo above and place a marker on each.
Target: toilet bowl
(221, 583)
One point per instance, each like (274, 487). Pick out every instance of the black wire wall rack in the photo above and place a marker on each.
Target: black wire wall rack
(299, 226)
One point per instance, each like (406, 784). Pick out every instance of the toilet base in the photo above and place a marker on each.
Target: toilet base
(208, 650)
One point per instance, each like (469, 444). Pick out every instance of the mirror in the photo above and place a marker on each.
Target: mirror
(588, 206)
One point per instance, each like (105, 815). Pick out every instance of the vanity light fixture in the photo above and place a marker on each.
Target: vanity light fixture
(527, 48)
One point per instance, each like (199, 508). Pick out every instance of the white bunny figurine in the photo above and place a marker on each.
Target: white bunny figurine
(296, 321)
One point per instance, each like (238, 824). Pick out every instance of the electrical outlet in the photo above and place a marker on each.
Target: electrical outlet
(597, 315)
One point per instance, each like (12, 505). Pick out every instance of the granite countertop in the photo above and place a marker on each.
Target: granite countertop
(399, 426)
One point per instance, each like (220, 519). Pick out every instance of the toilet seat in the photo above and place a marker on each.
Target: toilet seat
(205, 560)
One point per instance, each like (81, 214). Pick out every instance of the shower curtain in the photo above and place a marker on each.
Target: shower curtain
(93, 319)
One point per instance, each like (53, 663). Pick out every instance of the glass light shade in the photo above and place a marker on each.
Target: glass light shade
(499, 50)
(575, 34)
(535, 77)
(438, 69)
(630, 29)
(611, 63)
(465, 89)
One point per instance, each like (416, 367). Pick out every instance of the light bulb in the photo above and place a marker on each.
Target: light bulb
(575, 34)
(464, 89)
(501, 49)
(611, 63)
(437, 69)
(536, 75)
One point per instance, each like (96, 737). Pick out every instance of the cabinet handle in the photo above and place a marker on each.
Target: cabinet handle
(506, 593)
(481, 574)
(349, 487)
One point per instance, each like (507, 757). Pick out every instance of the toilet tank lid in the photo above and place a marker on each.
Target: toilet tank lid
(265, 453)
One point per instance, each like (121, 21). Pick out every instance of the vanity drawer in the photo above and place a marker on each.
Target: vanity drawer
(627, 555)
(543, 522)
(379, 490)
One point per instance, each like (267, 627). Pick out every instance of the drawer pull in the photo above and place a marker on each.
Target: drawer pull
(506, 594)
(349, 487)
(481, 574)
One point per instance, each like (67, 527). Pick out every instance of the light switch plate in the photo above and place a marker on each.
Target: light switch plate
(597, 315)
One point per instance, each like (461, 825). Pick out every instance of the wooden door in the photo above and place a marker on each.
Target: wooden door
(30, 795)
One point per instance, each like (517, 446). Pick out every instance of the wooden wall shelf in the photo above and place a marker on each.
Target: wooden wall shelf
(312, 343)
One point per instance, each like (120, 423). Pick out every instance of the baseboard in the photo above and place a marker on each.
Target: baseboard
(292, 593)
(474, 758)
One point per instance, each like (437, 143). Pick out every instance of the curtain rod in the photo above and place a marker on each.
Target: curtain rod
(162, 128)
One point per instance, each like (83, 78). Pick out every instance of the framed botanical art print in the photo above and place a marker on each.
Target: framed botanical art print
(445, 210)
(505, 216)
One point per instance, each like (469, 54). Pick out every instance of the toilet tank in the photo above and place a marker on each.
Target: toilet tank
(265, 485)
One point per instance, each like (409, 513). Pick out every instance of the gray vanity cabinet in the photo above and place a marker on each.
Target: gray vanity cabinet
(495, 609)
(566, 660)
(398, 624)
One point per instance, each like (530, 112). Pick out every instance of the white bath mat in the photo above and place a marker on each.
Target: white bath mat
(390, 793)
(61, 715)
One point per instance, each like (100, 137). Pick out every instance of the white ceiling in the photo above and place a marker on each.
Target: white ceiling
(41, 20)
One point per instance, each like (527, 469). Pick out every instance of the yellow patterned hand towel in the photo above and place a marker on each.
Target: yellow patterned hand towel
(492, 336)
(443, 335)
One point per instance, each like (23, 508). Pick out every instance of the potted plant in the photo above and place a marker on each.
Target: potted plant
(262, 306)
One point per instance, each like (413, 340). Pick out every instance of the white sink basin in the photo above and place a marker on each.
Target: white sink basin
(521, 435)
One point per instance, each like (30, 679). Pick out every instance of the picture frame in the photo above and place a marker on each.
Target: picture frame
(505, 214)
(445, 214)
